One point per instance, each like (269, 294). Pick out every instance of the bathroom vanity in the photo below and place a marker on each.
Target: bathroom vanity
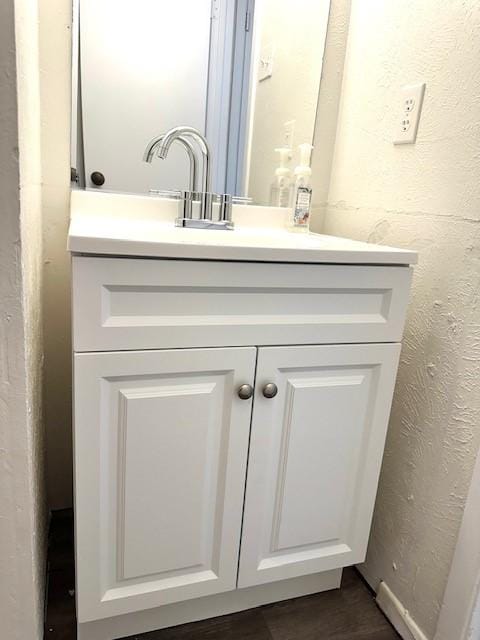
(232, 391)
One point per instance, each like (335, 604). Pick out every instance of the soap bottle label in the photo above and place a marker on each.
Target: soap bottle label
(301, 212)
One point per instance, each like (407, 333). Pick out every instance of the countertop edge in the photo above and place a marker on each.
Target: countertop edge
(128, 248)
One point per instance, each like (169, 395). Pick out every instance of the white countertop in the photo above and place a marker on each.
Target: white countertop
(132, 225)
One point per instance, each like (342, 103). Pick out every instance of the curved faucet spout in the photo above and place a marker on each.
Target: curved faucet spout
(174, 134)
(157, 142)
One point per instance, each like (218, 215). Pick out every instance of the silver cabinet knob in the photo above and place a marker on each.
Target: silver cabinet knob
(245, 391)
(270, 390)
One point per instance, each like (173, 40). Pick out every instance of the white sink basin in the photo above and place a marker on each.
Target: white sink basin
(132, 225)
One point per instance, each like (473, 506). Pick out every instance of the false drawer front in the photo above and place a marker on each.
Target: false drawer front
(127, 303)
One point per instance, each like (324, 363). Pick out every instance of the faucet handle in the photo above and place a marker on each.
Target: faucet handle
(225, 213)
(187, 197)
(206, 205)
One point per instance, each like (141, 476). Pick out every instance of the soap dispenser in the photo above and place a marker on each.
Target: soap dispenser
(280, 189)
(301, 191)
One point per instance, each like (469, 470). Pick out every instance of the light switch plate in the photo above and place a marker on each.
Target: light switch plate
(410, 108)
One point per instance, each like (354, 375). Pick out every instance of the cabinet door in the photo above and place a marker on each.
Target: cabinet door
(161, 441)
(315, 456)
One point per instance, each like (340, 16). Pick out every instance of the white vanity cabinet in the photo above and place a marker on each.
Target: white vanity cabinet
(190, 500)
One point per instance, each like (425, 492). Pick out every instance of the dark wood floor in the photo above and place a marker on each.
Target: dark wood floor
(348, 613)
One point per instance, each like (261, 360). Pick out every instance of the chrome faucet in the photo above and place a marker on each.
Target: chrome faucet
(206, 197)
(183, 134)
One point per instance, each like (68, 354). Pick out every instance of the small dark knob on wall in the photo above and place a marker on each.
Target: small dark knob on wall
(97, 178)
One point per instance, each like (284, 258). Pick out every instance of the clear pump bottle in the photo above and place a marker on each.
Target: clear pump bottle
(280, 189)
(301, 191)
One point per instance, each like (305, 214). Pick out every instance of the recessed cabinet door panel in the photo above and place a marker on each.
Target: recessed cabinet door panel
(161, 442)
(159, 504)
(315, 456)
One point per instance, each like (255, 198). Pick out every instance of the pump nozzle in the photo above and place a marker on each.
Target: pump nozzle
(304, 166)
(305, 153)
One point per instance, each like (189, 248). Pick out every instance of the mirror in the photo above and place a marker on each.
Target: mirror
(245, 73)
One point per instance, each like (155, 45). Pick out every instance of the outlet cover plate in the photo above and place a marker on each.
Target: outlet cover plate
(410, 103)
(265, 64)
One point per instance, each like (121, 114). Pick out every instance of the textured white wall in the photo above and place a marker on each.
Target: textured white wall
(55, 63)
(22, 497)
(424, 196)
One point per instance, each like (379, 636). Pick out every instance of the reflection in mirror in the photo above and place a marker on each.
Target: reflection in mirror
(245, 73)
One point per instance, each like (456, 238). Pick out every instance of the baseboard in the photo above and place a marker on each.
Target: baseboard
(399, 617)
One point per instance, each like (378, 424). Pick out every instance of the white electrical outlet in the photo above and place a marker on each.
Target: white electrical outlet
(265, 64)
(411, 99)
